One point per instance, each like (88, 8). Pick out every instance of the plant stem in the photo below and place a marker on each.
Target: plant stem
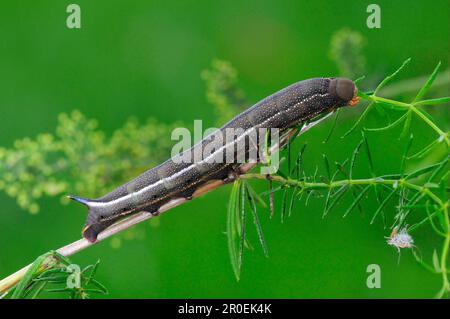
(431, 124)
(368, 181)
(81, 244)
(414, 109)
(444, 255)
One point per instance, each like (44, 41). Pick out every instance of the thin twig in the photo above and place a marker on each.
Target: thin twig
(81, 244)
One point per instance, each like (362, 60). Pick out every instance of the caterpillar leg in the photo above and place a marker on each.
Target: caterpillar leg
(91, 231)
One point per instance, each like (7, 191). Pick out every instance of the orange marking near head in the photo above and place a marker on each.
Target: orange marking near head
(353, 101)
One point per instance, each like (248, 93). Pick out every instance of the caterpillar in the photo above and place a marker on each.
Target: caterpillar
(295, 104)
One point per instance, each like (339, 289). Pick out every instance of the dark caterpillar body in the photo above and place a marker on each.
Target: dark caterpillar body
(297, 103)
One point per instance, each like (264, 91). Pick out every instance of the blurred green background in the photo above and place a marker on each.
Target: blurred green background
(144, 59)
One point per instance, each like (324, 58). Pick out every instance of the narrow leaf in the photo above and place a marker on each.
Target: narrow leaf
(424, 89)
(354, 156)
(387, 127)
(357, 200)
(327, 166)
(422, 171)
(425, 150)
(333, 126)
(255, 196)
(405, 155)
(441, 100)
(369, 154)
(359, 120)
(407, 125)
(271, 200)
(338, 195)
(39, 288)
(380, 208)
(291, 204)
(258, 228)
(231, 229)
(392, 76)
(283, 205)
(28, 277)
(242, 233)
(436, 264)
(442, 165)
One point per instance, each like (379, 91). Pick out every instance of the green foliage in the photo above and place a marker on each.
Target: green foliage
(424, 186)
(346, 50)
(242, 198)
(51, 273)
(222, 91)
(408, 108)
(80, 159)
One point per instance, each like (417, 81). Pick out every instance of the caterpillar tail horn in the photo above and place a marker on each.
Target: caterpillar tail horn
(92, 227)
(81, 200)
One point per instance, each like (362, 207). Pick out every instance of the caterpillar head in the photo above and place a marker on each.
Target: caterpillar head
(345, 90)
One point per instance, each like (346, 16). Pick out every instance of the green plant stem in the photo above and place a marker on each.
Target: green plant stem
(367, 181)
(394, 183)
(414, 109)
(444, 255)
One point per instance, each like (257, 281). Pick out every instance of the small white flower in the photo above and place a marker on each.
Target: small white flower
(400, 239)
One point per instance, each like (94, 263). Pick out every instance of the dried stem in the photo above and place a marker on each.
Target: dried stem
(81, 244)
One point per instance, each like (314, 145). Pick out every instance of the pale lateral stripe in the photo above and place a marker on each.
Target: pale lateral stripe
(161, 181)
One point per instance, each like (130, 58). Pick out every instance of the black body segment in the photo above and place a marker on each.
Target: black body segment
(295, 104)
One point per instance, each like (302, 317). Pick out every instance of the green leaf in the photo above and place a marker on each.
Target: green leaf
(231, 229)
(283, 204)
(389, 126)
(310, 193)
(421, 262)
(299, 161)
(380, 208)
(52, 279)
(441, 100)
(359, 120)
(407, 125)
(357, 200)
(291, 140)
(362, 77)
(333, 126)
(100, 286)
(271, 199)
(255, 196)
(93, 271)
(425, 150)
(327, 166)
(354, 156)
(392, 76)
(405, 155)
(340, 169)
(424, 89)
(258, 227)
(59, 289)
(243, 230)
(436, 264)
(29, 275)
(441, 166)
(291, 204)
(337, 196)
(422, 171)
(38, 289)
(430, 218)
